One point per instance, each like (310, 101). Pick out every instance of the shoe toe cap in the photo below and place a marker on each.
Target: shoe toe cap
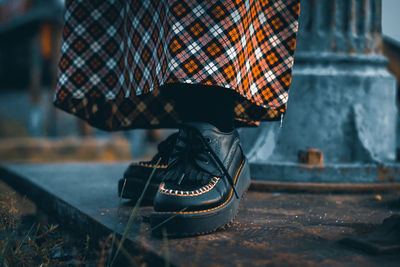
(205, 197)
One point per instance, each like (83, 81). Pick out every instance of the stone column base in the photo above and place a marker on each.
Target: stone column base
(328, 173)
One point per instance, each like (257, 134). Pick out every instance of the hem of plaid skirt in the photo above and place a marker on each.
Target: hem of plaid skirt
(102, 120)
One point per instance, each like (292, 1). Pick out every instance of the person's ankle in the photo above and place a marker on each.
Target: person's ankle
(225, 127)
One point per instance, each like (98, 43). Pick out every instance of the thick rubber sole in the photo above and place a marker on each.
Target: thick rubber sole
(192, 223)
(134, 188)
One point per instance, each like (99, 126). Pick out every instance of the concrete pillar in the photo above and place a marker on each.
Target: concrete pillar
(342, 98)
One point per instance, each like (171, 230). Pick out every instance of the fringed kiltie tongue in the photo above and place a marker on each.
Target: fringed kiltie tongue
(164, 148)
(194, 161)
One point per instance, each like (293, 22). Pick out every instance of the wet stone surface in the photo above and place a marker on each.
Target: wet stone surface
(271, 228)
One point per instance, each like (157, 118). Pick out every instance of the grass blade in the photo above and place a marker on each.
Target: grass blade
(116, 222)
(25, 238)
(165, 245)
(133, 213)
(169, 218)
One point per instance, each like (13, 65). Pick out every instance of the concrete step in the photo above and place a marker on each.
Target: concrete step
(271, 228)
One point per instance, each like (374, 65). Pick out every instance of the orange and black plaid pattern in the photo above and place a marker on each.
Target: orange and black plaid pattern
(117, 54)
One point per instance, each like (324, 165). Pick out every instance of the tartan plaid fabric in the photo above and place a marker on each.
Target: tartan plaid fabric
(116, 55)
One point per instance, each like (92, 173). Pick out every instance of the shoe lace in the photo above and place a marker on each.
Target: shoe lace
(193, 147)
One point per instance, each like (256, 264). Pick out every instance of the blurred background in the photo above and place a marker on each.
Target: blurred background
(32, 130)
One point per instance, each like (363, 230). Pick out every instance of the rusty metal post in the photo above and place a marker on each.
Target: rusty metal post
(342, 99)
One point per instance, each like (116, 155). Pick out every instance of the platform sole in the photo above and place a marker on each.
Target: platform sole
(192, 223)
(134, 187)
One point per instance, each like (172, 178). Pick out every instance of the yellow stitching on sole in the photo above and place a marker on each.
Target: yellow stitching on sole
(150, 165)
(192, 193)
(223, 204)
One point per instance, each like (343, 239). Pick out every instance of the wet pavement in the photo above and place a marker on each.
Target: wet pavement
(271, 228)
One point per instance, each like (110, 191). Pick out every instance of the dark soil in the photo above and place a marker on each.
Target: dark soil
(41, 239)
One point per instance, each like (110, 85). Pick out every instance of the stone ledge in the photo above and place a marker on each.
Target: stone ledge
(271, 228)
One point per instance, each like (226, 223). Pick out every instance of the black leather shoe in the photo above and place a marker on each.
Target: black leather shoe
(136, 175)
(206, 177)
